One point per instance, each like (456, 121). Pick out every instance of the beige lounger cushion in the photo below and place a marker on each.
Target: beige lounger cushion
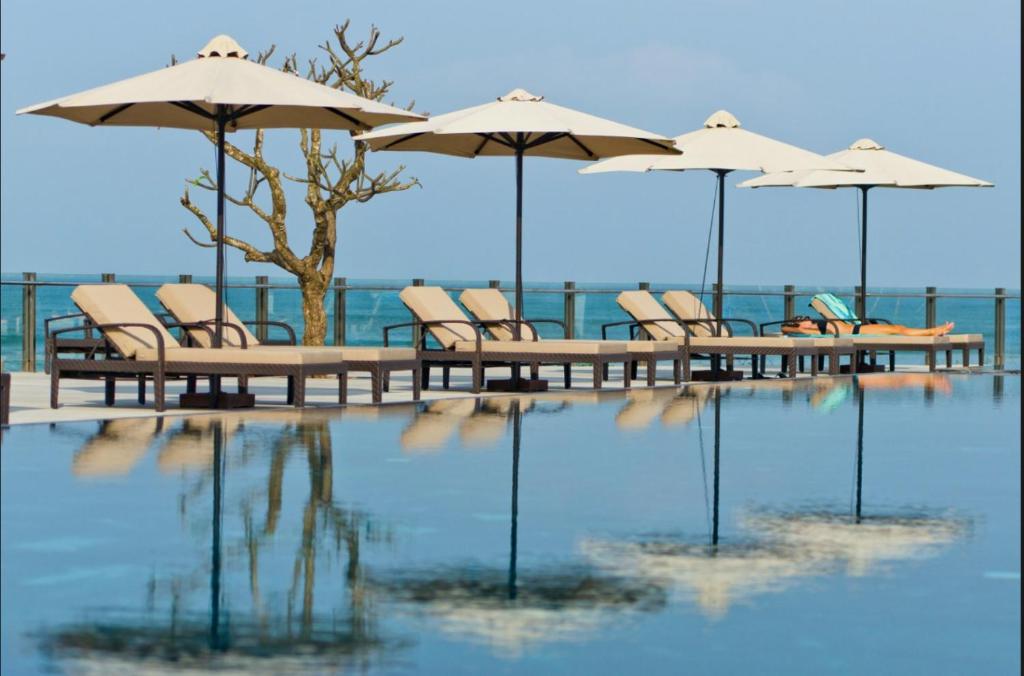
(659, 347)
(542, 347)
(116, 303)
(432, 303)
(491, 305)
(234, 355)
(194, 303)
(687, 306)
(906, 342)
(958, 339)
(378, 354)
(642, 306)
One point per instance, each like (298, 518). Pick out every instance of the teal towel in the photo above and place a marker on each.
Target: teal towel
(838, 308)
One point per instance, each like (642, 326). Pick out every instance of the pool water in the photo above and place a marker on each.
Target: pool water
(866, 525)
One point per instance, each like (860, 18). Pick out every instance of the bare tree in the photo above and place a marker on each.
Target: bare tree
(331, 181)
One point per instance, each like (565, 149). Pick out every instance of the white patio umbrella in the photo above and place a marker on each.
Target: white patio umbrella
(519, 124)
(220, 91)
(878, 168)
(722, 146)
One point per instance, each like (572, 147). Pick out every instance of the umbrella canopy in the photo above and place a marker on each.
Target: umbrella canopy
(722, 146)
(877, 168)
(220, 91)
(519, 124)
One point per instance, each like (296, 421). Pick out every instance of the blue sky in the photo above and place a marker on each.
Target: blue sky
(936, 81)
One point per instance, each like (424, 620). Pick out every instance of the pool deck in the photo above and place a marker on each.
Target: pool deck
(83, 399)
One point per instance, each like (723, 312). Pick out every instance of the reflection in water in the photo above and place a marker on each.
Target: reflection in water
(253, 636)
(512, 609)
(782, 547)
(116, 448)
(195, 618)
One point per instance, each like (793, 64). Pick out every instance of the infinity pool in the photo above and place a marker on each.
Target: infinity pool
(865, 525)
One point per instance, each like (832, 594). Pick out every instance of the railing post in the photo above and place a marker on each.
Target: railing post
(108, 278)
(416, 330)
(28, 322)
(262, 307)
(998, 360)
(929, 306)
(340, 309)
(494, 284)
(569, 309)
(788, 301)
(644, 286)
(184, 279)
(717, 311)
(858, 305)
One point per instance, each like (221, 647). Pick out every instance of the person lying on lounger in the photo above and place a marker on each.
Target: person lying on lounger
(808, 326)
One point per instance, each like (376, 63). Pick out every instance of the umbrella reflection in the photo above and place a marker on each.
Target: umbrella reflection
(509, 609)
(779, 549)
(273, 632)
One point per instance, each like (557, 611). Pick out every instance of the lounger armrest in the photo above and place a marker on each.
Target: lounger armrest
(160, 347)
(47, 322)
(633, 325)
(206, 323)
(428, 324)
(831, 322)
(269, 322)
(557, 322)
(720, 322)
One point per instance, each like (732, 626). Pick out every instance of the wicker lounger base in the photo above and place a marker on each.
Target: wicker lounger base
(110, 369)
(380, 375)
(478, 362)
(930, 350)
(790, 355)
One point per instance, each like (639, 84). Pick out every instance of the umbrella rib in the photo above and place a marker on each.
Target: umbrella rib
(193, 108)
(547, 138)
(359, 123)
(115, 111)
(245, 111)
(486, 138)
(580, 144)
(655, 143)
(511, 142)
(405, 138)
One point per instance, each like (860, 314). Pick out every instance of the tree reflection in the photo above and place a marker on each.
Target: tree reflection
(263, 633)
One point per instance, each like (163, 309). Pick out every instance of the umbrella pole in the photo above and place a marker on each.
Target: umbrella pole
(218, 334)
(863, 299)
(719, 299)
(216, 398)
(516, 428)
(519, 244)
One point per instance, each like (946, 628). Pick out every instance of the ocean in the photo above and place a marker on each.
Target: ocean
(368, 309)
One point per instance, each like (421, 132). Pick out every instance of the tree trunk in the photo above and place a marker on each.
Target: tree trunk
(314, 291)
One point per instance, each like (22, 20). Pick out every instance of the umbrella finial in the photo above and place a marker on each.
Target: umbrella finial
(866, 144)
(520, 95)
(223, 46)
(722, 118)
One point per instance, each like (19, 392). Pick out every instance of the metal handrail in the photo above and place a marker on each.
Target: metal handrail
(569, 292)
(552, 290)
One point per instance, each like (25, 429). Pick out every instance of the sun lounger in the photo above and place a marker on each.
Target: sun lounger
(196, 304)
(137, 345)
(490, 307)
(653, 319)
(461, 342)
(690, 310)
(830, 306)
